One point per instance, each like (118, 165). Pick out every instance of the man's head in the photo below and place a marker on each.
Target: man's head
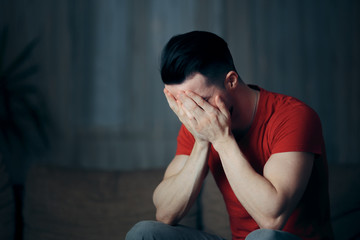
(196, 52)
(201, 63)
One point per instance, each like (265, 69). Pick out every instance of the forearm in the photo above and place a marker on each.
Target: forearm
(256, 193)
(175, 194)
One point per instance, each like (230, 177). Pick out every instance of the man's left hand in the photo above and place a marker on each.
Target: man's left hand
(213, 123)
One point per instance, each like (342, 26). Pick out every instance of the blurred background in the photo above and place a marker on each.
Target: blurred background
(80, 88)
(81, 83)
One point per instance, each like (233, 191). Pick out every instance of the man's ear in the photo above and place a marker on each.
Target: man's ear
(231, 80)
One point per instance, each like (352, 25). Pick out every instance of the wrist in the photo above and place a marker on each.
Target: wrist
(202, 143)
(221, 143)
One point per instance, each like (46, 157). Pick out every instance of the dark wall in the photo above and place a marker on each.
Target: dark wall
(310, 50)
(99, 69)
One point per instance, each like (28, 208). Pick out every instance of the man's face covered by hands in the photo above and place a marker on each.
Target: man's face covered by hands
(201, 107)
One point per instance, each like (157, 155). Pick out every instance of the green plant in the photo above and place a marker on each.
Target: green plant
(23, 114)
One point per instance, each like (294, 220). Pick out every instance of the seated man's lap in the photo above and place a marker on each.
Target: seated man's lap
(153, 230)
(268, 234)
(159, 231)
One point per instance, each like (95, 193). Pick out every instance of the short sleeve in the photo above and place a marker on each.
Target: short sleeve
(297, 129)
(185, 142)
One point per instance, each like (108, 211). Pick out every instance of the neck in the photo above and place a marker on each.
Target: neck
(244, 109)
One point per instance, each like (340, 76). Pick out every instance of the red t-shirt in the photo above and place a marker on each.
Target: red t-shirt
(281, 124)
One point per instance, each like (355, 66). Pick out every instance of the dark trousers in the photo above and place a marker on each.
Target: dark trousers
(152, 230)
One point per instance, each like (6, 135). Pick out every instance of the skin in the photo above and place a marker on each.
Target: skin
(205, 109)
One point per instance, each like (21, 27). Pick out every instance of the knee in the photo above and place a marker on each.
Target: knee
(143, 230)
(268, 234)
(263, 234)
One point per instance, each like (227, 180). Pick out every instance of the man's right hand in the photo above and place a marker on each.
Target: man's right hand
(184, 176)
(175, 105)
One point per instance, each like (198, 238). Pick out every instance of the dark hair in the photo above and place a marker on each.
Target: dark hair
(196, 52)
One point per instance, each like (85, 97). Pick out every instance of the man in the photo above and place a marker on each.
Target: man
(265, 150)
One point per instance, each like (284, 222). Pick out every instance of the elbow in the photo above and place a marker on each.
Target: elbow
(273, 223)
(275, 219)
(165, 217)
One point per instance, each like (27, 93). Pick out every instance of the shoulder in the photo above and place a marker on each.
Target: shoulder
(295, 112)
(292, 125)
(284, 109)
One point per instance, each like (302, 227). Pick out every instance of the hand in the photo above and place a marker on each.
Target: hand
(204, 121)
(177, 108)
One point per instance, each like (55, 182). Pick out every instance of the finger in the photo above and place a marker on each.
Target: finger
(189, 116)
(222, 107)
(183, 113)
(200, 101)
(188, 113)
(180, 108)
(183, 110)
(191, 106)
(171, 100)
(185, 116)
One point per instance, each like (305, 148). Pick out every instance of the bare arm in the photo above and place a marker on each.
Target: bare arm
(181, 185)
(270, 199)
(184, 176)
